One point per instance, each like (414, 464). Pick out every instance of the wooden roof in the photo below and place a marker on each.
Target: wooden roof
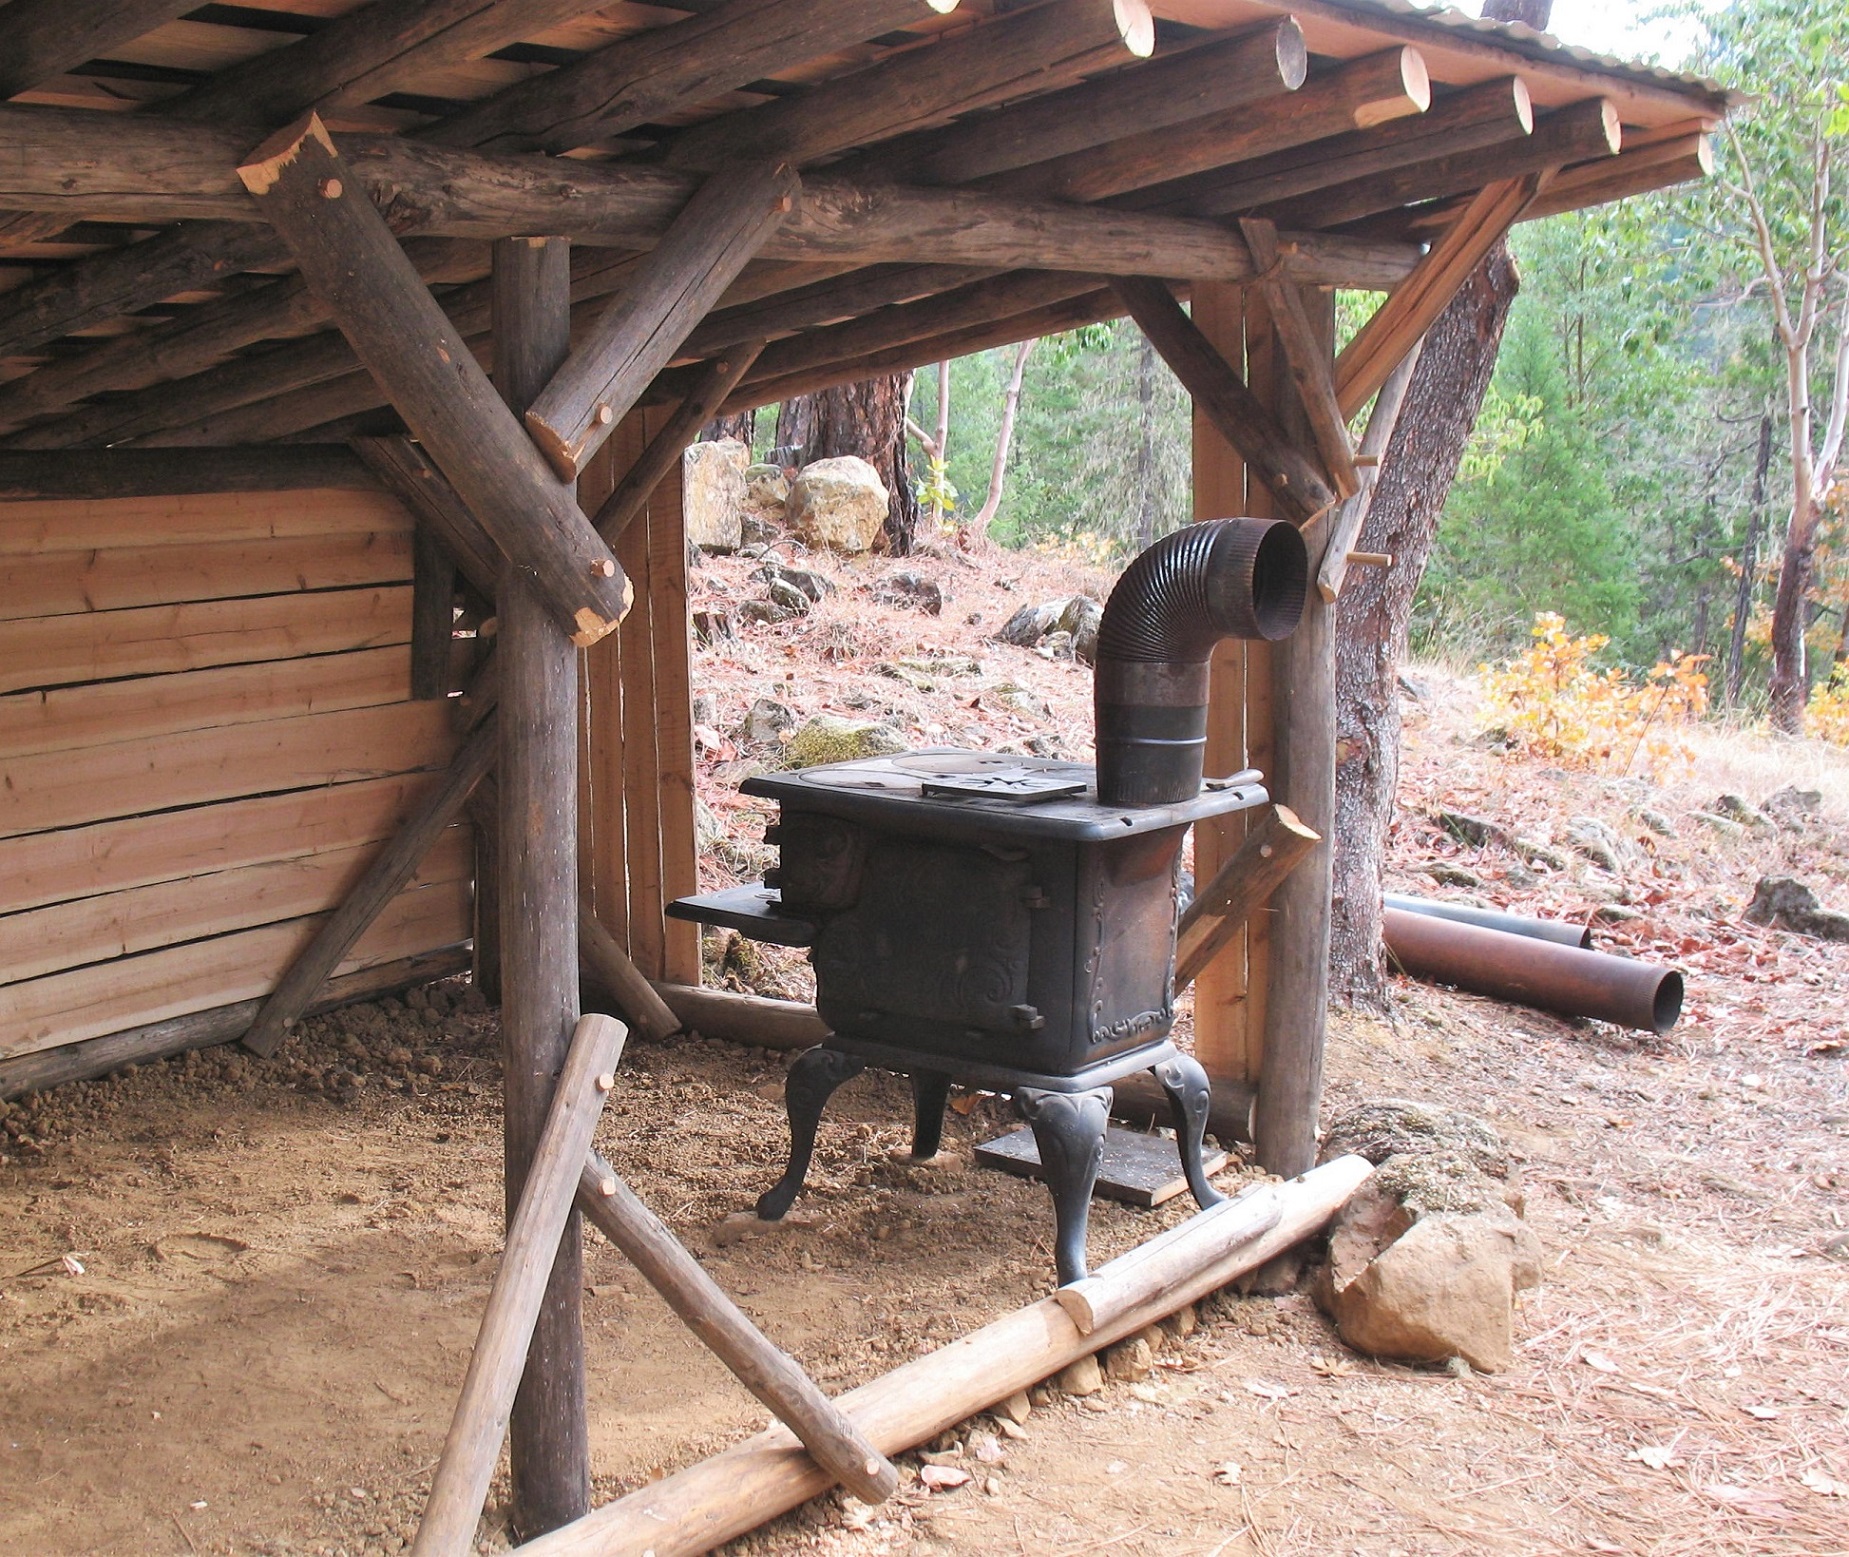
(971, 173)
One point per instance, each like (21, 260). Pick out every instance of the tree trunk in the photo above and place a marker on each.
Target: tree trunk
(743, 427)
(1146, 443)
(867, 419)
(978, 528)
(1375, 609)
(1749, 563)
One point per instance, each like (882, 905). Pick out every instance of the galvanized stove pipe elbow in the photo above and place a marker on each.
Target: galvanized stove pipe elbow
(1225, 578)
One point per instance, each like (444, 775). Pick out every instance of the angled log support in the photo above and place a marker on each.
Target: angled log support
(1299, 488)
(408, 474)
(1309, 366)
(1402, 320)
(723, 225)
(466, 1467)
(717, 380)
(385, 878)
(1345, 525)
(349, 257)
(1271, 851)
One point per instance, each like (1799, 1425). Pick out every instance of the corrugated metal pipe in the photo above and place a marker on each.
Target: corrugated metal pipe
(1530, 972)
(1224, 578)
(1562, 932)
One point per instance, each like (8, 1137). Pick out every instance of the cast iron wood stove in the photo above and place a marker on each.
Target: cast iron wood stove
(1009, 922)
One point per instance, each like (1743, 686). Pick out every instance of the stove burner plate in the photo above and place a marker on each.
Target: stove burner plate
(1019, 786)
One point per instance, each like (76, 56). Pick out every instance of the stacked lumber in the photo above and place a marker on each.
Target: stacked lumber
(206, 731)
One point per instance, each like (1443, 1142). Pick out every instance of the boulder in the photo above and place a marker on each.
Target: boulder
(767, 491)
(1396, 1127)
(1081, 618)
(713, 493)
(1598, 842)
(1739, 809)
(839, 504)
(1792, 808)
(1787, 902)
(908, 587)
(1032, 623)
(764, 721)
(827, 738)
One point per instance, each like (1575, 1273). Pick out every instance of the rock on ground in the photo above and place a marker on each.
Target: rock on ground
(839, 504)
(827, 738)
(713, 493)
(1787, 902)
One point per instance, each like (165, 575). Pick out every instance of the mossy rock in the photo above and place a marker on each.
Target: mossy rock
(826, 739)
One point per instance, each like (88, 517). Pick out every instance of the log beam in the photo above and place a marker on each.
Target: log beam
(538, 683)
(720, 228)
(651, 75)
(1580, 133)
(1305, 357)
(41, 39)
(1034, 50)
(388, 874)
(1221, 394)
(1210, 78)
(348, 255)
(1273, 848)
(407, 473)
(1402, 320)
(827, 1432)
(1364, 92)
(662, 455)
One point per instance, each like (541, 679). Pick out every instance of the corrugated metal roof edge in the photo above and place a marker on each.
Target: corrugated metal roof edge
(1540, 45)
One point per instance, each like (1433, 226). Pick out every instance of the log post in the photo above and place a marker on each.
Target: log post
(460, 1485)
(1290, 1076)
(549, 1439)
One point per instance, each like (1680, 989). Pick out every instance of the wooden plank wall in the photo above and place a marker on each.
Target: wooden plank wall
(205, 732)
(1229, 996)
(637, 807)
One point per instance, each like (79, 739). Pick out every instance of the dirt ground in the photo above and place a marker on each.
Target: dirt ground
(277, 1267)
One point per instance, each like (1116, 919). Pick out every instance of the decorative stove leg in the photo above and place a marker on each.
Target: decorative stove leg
(813, 1079)
(1069, 1130)
(1186, 1085)
(930, 1094)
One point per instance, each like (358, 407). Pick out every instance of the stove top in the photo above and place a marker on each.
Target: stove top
(984, 792)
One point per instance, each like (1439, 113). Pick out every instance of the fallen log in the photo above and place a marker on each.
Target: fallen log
(710, 1503)
(826, 1431)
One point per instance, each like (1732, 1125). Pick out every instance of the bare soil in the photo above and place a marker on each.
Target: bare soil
(278, 1267)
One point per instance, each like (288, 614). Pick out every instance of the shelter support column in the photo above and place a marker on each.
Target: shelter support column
(549, 1441)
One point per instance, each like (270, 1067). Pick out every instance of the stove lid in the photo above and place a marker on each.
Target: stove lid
(991, 792)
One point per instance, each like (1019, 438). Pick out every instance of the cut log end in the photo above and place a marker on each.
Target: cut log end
(1524, 104)
(1410, 93)
(1136, 24)
(267, 162)
(1293, 55)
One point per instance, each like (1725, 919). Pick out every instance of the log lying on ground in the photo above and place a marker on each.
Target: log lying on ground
(207, 1029)
(710, 1503)
(786, 1024)
(825, 1430)
(348, 255)
(476, 1430)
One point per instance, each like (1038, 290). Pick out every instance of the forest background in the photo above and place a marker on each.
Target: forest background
(1632, 465)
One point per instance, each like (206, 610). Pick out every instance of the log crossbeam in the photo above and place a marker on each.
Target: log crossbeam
(1301, 490)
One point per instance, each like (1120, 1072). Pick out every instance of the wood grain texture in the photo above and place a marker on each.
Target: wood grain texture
(40, 39)
(196, 768)
(123, 924)
(410, 475)
(59, 583)
(1274, 845)
(115, 473)
(130, 991)
(105, 712)
(111, 521)
(101, 857)
(153, 640)
(349, 257)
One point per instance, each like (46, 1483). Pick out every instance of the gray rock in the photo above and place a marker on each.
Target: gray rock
(1726, 826)
(839, 504)
(815, 586)
(1738, 809)
(1475, 830)
(793, 600)
(1532, 853)
(1390, 1127)
(1032, 623)
(764, 721)
(1597, 842)
(1794, 809)
(713, 493)
(1010, 698)
(1447, 875)
(755, 532)
(1787, 902)
(1657, 822)
(1081, 619)
(712, 627)
(767, 490)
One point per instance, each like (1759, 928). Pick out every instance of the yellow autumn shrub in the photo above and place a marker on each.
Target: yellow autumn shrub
(1553, 702)
(1827, 714)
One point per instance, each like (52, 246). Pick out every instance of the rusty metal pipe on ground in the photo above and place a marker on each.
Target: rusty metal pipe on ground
(1530, 972)
(1563, 932)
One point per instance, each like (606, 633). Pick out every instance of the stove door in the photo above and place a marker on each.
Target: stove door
(940, 935)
